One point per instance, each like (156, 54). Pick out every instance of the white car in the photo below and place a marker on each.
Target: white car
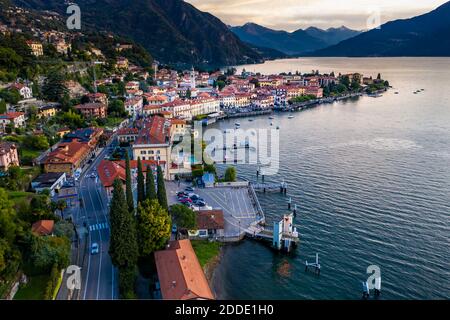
(94, 248)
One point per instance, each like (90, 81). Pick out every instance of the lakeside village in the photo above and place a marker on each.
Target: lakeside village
(111, 112)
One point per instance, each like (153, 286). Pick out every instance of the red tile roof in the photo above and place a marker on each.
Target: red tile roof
(68, 152)
(108, 171)
(210, 220)
(154, 132)
(11, 115)
(180, 275)
(43, 227)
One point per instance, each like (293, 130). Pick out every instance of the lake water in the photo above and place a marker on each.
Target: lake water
(371, 178)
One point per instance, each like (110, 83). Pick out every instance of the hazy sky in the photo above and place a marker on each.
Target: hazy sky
(294, 14)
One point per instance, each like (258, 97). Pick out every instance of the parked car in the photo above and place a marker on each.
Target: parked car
(184, 200)
(189, 189)
(200, 203)
(196, 197)
(94, 248)
(182, 193)
(174, 228)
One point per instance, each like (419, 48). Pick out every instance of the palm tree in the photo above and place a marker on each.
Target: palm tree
(61, 205)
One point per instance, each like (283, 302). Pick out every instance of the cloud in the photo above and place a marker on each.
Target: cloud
(294, 14)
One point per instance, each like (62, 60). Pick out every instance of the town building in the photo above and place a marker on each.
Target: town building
(179, 273)
(24, 91)
(98, 98)
(8, 155)
(15, 119)
(134, 106)
(67, 157)
(92, 110)
(154, 142)
(52, 181)
(47, 111)
(36, 48)
(122, 63)
(210, 223)
(108, 171)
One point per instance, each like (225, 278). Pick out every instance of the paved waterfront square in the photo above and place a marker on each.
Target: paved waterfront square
(238, 209)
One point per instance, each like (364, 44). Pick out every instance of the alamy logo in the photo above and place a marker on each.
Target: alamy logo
(374, 280)
(74, 279)
(74, 21)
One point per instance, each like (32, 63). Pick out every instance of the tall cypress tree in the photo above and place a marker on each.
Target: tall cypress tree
(129, 190)
(140, 182)
(150, 192)
(123, 247)
(162, 198)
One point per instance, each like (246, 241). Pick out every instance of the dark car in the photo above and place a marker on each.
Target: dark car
(200, 203)
(182, 194)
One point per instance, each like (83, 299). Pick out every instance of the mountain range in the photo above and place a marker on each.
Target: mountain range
(292, 43)
(173, 31)
(424, 35)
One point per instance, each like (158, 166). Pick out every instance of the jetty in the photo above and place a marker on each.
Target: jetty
(270, 187)
(248, 113)
(314, 103)
(283, 236)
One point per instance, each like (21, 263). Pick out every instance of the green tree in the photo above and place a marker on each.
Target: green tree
(153, 227)
(162, 197)
(9, 229)
(127, 280)
(123, 247)
(54, 88)
(116, 108)
(140, 182)
(345, 80)
(230, 174)
(183, 216)
(150, 192)
(61, 205)
(221, 85)
(49, 251)
(129, 190)
(3, 108)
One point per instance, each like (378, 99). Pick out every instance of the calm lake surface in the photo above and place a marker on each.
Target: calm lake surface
(371, 178)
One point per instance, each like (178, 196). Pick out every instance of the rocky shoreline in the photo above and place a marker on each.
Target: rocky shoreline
(210, 270)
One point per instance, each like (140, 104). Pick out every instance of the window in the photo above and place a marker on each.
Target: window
(143, 152)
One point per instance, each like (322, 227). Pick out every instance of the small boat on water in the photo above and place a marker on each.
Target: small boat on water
(291, 117)
(250, 120)
(271, 123)
(396, 92)
(271, 118)
(278, 128)
(237, 124)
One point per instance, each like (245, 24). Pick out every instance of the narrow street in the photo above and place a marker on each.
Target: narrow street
(98, 275)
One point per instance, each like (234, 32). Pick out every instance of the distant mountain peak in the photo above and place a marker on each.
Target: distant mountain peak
(423, 35)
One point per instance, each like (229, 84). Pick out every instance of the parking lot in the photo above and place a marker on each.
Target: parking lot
(238, 209)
